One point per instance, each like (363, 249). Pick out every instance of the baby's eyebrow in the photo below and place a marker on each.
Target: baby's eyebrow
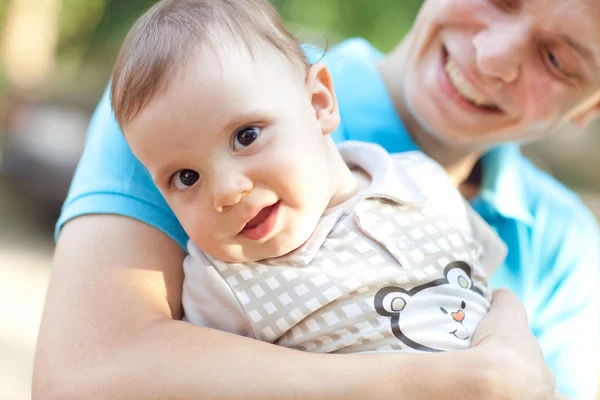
(162, 174)
(244, 117)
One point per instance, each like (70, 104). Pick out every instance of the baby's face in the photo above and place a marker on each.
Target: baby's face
(236, 148)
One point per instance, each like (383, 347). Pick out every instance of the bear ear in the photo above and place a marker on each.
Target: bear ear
(394, 302)
(390, 300)
(398, 304)
(459, 277)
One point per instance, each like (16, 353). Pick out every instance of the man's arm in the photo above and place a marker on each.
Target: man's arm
(108, 332)
(566, 314)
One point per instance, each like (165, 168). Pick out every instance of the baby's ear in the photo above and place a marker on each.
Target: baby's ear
(320, 89)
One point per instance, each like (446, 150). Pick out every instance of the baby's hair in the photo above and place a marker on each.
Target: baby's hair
(165, 38)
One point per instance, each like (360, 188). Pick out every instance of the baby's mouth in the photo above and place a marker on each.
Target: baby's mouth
(259, 218)
(262, 223)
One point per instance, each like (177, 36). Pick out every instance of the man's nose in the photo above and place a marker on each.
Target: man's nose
(500, 52)
(229, 188)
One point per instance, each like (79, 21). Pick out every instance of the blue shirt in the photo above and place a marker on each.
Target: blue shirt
(554, 252)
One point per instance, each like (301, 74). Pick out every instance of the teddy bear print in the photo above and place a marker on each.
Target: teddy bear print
(437, 316)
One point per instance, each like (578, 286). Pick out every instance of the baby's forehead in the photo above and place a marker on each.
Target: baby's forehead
(230, 59)
(235, 79)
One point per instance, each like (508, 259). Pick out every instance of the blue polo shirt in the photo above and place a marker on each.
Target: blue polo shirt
(554, 254)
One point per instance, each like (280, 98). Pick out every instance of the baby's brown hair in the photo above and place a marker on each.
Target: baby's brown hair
(170, 33)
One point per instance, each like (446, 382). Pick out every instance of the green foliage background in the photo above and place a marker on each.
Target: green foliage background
(94, 29)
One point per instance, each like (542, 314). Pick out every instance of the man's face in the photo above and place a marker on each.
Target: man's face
(480, 72)
(235, 148)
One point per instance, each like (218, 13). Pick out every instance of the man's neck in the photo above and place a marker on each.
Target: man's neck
(457, 161)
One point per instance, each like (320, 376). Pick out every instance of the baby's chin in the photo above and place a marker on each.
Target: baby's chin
(252, 252)
(293, 236)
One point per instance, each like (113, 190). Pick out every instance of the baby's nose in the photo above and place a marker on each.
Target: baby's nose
(458, 316)
(230, 190)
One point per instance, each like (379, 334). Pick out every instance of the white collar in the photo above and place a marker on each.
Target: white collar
(386, 182)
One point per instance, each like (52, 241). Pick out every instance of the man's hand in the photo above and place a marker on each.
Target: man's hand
(513, 363)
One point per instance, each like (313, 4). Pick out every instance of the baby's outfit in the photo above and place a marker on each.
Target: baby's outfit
(401, 266)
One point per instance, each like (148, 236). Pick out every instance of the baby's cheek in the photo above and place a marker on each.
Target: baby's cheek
(202, 233)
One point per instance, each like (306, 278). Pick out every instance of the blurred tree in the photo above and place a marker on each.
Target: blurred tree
(77, 20)
(382, 22)
(118, 17)
(96, 27)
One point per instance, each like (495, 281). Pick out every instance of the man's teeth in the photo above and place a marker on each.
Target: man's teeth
(463, 86)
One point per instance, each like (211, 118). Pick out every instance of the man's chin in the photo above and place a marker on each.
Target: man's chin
(459, 139)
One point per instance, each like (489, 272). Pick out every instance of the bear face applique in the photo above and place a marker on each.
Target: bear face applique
(437, 316)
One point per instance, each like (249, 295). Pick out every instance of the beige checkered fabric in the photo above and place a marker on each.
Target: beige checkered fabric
(328, 304)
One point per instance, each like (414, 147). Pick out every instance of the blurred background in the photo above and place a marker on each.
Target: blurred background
(55, 61)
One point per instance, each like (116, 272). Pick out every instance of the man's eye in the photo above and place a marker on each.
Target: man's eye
(558, 64)
(554, 60)
(185, 179)
(245, 138)
(508, 5)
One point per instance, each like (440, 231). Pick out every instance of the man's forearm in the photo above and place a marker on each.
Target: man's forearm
(173, 359)
(108, 332)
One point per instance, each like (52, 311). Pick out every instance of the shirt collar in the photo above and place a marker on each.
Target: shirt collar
(386, 182)
(503, 186)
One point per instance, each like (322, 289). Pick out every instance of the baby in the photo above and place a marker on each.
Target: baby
(293, 240)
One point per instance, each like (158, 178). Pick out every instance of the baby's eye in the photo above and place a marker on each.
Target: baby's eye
(185, 179)
(245, 138)
(443, 310)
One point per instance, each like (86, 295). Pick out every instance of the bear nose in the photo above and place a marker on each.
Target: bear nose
(458, 316)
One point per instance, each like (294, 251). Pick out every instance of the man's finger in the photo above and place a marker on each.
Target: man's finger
(506, 314)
